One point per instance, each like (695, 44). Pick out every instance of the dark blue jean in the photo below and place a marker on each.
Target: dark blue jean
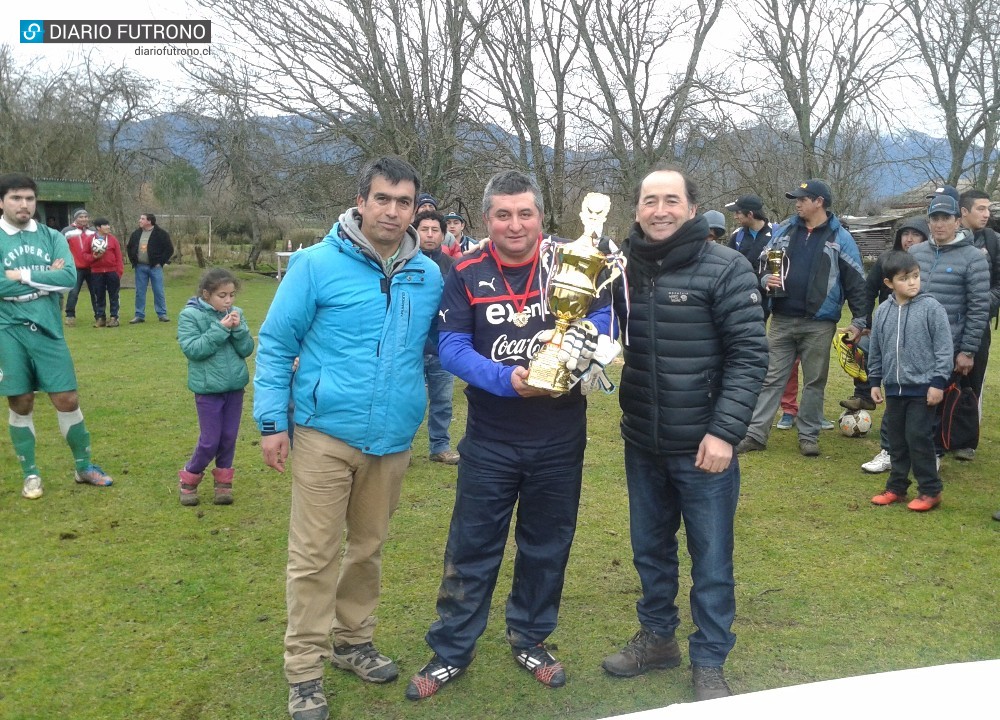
(106, 286)
(544, 482)
(440, 389)
(663, 489)
(82, 276)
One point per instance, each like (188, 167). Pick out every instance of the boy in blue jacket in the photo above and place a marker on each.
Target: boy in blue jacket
(911, 352)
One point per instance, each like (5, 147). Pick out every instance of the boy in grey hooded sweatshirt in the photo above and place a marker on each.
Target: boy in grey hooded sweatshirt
(911, 353)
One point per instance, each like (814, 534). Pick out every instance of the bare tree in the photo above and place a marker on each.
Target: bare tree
(635, 106)
(827, 60)
(79, 122)
(386, 75)
(44, 130)
(530, 49)
(957, 43)
(117, 100)
(242, 160)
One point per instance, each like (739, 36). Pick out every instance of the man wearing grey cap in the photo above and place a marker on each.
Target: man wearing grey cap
(716, 225)
(79, 236)
(821, 267)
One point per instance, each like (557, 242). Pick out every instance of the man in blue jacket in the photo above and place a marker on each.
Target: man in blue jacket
(822, 267)
(355, 309)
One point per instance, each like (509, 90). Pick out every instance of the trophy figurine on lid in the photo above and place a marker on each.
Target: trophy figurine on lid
(571, 288)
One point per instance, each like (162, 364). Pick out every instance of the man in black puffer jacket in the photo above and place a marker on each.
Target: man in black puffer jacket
(695, 358)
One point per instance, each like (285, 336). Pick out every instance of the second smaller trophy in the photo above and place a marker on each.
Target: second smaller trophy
(777, 264)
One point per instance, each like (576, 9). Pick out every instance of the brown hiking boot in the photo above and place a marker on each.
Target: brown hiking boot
(749, 444)
(709, 683)
(644, 652)
(100, 322)
(858, 403)
(809, 448)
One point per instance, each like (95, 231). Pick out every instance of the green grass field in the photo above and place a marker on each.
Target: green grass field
(120, 603)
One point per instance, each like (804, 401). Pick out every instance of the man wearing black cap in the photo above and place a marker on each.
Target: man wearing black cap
(821, 267)
(754, 230)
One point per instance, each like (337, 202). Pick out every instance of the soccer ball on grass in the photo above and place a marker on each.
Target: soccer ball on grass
(855, 424)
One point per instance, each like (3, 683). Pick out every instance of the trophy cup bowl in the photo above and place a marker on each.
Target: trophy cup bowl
(775, 266)
(572, 289)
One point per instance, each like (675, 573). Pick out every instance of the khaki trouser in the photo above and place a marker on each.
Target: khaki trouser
(335, 486)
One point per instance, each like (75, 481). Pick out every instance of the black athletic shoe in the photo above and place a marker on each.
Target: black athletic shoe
(431, 677)
(540, 663)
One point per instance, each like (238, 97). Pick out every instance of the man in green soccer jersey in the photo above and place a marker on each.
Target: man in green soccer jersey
(37, 266)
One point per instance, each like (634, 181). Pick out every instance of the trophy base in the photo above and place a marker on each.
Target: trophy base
(547, 373)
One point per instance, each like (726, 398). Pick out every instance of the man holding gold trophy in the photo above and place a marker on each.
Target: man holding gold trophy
(813, 267)
(526, 430)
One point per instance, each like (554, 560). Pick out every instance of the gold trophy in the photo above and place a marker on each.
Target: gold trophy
(571, 290)
(776, 265)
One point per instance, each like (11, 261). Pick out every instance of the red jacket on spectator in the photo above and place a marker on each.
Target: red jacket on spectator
(111, 260)
(79, 244)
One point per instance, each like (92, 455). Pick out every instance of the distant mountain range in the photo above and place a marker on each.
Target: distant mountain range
(910, 158)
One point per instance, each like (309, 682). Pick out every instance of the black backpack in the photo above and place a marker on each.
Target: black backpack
(959, 416)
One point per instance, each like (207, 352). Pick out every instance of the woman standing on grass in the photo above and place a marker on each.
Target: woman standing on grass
(216, 341)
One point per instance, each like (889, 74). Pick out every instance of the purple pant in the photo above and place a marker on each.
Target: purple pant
(219, 421)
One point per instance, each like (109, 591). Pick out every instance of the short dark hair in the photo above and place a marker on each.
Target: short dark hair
(102, 221)
(896, 262)
(690, 189)
(16, 181)
(151, 217)
(216, 277)
(430, 215)
(391, 167)
(969, 197)
(511, 182)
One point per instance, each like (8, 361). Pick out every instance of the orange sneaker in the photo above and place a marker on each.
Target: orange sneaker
(923, 503)
(888, 497)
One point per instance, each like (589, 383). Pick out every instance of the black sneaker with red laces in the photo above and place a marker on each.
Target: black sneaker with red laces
(540, 663)
(431, 677)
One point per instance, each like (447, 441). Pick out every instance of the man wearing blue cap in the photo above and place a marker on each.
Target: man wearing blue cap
(456, 226)
(821, 267)
(956, 273)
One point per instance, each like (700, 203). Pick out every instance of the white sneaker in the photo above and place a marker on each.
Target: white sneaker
(32, 487)
(879, 464)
